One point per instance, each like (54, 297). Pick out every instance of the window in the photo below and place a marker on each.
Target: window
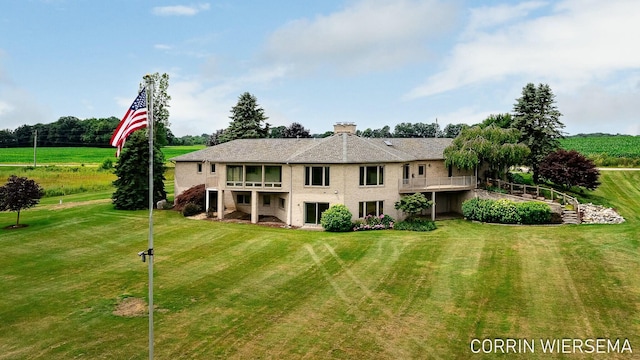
(375, 208)
(371, 175)
(450, 170)
(316, 175)
(244, 199)
(281, 203)
(313, 212)
(199, 167)
(273, 176)
(420, 169)
(234, 173)
(213, 168)
(254, 175)
(266, 200)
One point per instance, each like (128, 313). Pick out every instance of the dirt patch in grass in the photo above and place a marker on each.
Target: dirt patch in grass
(15, 227)
(131, 307)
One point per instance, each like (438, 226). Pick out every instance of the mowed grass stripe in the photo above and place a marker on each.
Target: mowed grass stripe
(241, 291)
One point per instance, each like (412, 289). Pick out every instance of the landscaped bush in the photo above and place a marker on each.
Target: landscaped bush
(506, 211)
(191, 209)
(336, 219)
(532, 212)
(195, 195)
(372, 222)
(415, 224)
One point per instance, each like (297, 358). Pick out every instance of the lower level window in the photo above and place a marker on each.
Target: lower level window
(375, 208)
(244, 199)
(313, 212)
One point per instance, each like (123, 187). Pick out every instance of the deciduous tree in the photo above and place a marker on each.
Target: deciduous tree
(296, 130)
(161, 100)
(497, 147)
(569, 168)
(19, 193)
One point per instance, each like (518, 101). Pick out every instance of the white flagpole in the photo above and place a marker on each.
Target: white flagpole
(150, 92)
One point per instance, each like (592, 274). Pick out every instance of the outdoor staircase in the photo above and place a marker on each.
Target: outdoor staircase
(570, 217)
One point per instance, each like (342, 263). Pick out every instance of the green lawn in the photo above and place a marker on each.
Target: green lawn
(237, 291)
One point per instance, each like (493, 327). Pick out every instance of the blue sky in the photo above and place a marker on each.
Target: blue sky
(371, 62)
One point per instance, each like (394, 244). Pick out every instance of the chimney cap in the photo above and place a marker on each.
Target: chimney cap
(344, 128)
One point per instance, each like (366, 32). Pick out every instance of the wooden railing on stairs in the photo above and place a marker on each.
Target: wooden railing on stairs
(538, 191)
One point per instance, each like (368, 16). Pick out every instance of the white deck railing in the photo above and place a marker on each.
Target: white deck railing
(439, 183)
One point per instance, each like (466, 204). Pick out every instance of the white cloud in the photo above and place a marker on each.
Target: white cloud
(180, 10)
(490, 16)
(162, 47)
(18, 108)
(198, 106)
(575, 43)
(465, 115)
(594, 108)
(366, 36)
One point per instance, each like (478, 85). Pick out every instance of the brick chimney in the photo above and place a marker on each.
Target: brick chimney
(344, 128)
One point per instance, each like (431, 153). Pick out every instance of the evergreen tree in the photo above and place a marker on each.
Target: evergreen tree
(537, 118)
(246, 120)
(132, 169)
(504, 121)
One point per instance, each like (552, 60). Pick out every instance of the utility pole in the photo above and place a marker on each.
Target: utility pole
(35, 145)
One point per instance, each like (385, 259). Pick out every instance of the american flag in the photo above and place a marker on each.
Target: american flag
(134, 119)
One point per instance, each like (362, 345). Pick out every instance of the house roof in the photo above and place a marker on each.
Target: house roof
(336, 149)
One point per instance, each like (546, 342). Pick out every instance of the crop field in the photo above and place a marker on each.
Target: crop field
(620, 150)
(238, 291)
(76, 155)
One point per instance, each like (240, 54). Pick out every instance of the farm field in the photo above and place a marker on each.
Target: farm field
(238, 291)
(620, 150)
(75, 155)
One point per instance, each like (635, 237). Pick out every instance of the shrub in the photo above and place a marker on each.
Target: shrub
(195, 195)
(412, 205)
(506, 211)
(107, 164)
(191, 209)
(532, 212)
(415, 224)
(336, 219)
(519, 178)
(372, 222)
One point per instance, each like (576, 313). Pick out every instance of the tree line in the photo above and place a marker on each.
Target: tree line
(69, 131)
(248, 121)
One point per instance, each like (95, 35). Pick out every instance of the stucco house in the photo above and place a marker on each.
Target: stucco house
(295, 180)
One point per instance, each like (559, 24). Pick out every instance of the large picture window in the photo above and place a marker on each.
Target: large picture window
(316, 175)
(313, 212)
(268, 176)
(375, 208)
(371, 175)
